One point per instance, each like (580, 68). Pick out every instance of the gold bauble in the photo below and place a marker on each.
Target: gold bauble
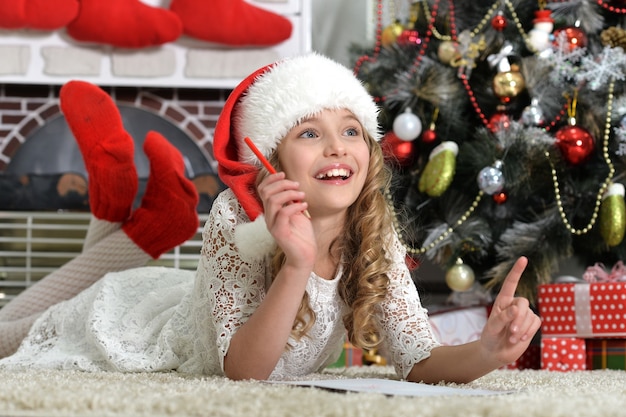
(390, 34)
(447, 51)
(460, 277)
(508, 84)
(613, 215)
(439, 170)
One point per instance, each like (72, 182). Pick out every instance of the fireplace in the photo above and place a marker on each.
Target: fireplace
(39, 148)
(177, 89)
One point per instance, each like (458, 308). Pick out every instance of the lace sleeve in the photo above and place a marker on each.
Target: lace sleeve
(230, 288)
(404, 324)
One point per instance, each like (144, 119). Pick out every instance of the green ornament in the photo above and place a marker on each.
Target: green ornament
(613, 215)
(439, 170)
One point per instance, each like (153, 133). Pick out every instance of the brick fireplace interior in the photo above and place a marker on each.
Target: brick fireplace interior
(38, 142)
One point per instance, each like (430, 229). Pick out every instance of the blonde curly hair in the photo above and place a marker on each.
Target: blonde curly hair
(363, 254)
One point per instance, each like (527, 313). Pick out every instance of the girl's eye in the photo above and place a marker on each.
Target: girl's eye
(352, 132)
(308, 134)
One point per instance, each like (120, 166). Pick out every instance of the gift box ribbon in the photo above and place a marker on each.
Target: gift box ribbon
(598, 273)
(582, 301)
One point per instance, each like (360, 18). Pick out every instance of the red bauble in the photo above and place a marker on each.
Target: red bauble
(409, 37)
(499, 121)
(499, 22)
(398, 151)
(429, 136)
(575, 37)
(575, 143)
(500, 198)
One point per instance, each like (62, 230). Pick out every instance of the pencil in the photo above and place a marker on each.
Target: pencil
(266, 163)
(259, 155)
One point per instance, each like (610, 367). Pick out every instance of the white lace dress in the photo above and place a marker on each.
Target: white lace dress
(157, 319)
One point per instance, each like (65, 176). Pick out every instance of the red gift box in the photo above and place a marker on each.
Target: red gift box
(584, 310)
(563, 354)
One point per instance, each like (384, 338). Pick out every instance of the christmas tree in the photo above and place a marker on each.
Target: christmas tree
(504, 124)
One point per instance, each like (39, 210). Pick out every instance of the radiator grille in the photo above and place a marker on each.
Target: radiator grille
(33, 244)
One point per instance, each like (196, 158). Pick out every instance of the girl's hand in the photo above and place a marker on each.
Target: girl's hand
(512, 324)
(284, 208)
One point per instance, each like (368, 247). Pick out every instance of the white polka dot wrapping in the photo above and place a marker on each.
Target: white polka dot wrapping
(563, 354)
(583, 309)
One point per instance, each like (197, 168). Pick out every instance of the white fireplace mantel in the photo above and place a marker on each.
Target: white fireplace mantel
(53, 58)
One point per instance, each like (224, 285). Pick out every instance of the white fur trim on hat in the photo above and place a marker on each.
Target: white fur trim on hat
(253, 239)
(292, 90)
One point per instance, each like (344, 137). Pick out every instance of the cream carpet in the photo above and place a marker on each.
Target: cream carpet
(536, 393)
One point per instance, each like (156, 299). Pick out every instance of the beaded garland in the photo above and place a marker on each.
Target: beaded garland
(612, 9)
(605, 183)
(441, 237)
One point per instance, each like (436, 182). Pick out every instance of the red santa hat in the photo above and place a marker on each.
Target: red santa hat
(265, 106)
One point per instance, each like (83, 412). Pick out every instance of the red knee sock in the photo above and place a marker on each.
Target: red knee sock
(107, 149)
(124, 23)
(231, 22)
(167, 216)
(37, 14)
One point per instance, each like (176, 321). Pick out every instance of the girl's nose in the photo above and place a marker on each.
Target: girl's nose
(334, 145)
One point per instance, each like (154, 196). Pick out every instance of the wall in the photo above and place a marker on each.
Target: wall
(338, 24)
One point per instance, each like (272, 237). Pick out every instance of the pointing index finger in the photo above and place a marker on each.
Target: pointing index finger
(512, 279)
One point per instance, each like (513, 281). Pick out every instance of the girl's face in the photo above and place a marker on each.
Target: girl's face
(328, 155)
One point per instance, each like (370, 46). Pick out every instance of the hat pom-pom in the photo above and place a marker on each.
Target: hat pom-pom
(254, 240)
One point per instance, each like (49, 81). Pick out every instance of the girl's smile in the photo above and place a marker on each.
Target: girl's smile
(335, 174)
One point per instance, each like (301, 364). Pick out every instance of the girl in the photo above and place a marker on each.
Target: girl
(289, 260)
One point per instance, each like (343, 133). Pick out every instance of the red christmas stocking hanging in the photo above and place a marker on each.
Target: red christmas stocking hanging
(124, 23)
(37, 14)
(231, 22)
